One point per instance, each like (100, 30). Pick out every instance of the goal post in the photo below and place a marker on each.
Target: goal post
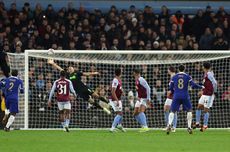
(39, 76)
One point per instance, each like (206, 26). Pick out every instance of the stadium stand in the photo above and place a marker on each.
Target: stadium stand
(127, 29)
(131, 28)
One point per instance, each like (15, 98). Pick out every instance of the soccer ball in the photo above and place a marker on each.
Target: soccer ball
(50, 51)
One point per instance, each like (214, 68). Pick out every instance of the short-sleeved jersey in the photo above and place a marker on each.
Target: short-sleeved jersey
(63, 87)
(12, 87)
(180, 83)
(75, 78)
(117, 84)
(210, 84)
(143, 89)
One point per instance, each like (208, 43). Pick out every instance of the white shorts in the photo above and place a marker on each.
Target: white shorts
(137, 104)
(114, 105)
(64, 105)
(168, 102)
(207, 101)
(141, 102)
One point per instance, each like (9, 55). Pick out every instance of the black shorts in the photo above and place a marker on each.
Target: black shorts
(84, 92)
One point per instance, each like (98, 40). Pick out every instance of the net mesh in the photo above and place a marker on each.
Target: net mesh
(154, 69)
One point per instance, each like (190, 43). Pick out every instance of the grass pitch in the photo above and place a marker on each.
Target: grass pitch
(104, 141)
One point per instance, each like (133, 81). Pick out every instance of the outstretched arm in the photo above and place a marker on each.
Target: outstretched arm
(90, 73)
(194, 85)
(55, 65)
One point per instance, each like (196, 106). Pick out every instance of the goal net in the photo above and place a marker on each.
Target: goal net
(39, 76)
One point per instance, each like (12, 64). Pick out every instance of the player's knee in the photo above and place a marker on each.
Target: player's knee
(206, 109)
(119, 113)
(166, 108)
(13, 113)
(200, 107)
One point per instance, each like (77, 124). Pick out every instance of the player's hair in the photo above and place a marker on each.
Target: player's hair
(118, 71)
(62, 73)
(14, 72)
(181, 67)
(207, 65)
(172, 69)
(137, 71)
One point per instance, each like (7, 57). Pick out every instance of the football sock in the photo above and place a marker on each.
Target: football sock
(103, 99)
(10, 121)
(116, 121)
(198, 114)
(175, 120)
(67, 122)
(137, 117)
(206, 116)
(120, 121)
(171, 116)
(143, 119)
(189, 119)
(166, 113)
(63, 124)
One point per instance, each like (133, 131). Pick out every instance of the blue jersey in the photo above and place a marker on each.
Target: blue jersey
(180, 83)
(12, 87)
(2, 85)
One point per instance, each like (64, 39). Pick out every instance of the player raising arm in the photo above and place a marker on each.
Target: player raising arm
(82, 90)
(12, 86)
(63, 87)
(115, 101)
(143, 91)
(206, 100)
(179, 87)
(168, 102)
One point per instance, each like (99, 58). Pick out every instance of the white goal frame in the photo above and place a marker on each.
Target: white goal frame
(26, 78)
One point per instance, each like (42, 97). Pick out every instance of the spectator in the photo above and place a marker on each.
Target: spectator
(198, 24)
(226, 95)
(79, 29)
(178, 19)
(40, 83)
(206, 40)
(220, 44)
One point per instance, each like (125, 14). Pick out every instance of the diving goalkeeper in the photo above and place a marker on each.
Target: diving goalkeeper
(81, 89)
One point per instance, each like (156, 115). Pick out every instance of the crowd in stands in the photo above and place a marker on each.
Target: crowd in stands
(131, 29)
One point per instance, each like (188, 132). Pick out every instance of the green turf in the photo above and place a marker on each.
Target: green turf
(103, 141)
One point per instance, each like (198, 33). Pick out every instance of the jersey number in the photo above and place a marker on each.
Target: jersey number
(11, 86)
(62, 89)
(180, 83)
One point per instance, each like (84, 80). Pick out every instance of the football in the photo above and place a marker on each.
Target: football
(50, 51)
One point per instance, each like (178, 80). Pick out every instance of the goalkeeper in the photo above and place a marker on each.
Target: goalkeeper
(82, 89)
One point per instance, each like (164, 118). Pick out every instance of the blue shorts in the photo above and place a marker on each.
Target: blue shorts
(12, 105)
(175, 106)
